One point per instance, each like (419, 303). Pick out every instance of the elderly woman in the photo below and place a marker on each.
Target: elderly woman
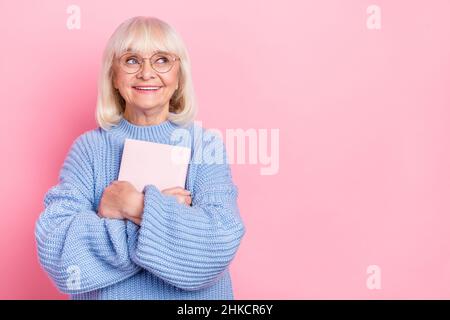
(99, 238)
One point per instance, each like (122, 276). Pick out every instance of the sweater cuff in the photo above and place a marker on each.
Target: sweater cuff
(132, 230)
(154, 204)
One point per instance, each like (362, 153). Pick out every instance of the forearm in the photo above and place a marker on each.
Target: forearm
(70, 236)
(188, 247)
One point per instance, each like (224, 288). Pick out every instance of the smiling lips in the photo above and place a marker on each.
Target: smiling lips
(146, 89)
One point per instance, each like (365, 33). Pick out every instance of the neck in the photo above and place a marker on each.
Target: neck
(154, 116)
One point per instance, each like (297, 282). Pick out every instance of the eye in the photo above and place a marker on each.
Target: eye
(162, 60)
(131, 60)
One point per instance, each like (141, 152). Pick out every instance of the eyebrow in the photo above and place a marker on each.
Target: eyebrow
(154, 52)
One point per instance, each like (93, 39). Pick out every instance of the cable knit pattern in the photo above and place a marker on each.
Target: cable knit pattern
(178, 252)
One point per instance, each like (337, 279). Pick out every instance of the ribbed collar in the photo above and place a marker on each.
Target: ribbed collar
(158, 132)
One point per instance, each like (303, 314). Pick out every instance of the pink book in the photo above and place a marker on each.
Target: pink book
(162, 165)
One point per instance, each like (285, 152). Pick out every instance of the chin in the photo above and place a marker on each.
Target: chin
(147, 106)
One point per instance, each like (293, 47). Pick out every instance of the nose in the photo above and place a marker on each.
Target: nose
(146, 71)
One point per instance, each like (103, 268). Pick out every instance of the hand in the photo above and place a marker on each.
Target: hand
(121, 200)
(183, 196)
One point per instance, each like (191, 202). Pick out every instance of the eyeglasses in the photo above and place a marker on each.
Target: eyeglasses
(161, 62)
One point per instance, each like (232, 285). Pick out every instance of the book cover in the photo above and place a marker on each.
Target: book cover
(162, 165)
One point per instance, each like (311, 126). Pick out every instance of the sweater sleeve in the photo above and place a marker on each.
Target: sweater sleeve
(79, 250)
(190, 246)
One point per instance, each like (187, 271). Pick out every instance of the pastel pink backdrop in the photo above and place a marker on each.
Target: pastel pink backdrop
(363, 115)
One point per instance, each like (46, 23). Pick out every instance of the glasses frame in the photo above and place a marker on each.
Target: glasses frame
(173, 56)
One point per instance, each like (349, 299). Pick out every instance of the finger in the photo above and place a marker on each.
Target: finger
(180, 199)
(177, 189)
(184, 200)
(170, 189)
(168, 192)
(181, 192)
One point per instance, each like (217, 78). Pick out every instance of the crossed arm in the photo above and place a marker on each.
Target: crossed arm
(188, 242)
(121, 200)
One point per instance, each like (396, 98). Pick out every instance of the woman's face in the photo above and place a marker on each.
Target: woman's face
(135, 87)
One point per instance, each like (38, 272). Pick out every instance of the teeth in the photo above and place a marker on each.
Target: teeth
(147, 88)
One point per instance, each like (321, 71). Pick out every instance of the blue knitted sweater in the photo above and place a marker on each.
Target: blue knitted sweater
(178, 251)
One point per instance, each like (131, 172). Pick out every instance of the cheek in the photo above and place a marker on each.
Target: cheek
(123, 84)
(172, 77)
(172, 82)
(123, 81)
(120, 80)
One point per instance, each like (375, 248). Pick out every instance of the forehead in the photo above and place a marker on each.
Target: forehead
(150, 53)
(143, 43)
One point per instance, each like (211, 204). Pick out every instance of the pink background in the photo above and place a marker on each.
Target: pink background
(363, 115)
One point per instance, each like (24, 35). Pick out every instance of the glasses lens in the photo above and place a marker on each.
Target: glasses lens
(162, 62)
(131, 62)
